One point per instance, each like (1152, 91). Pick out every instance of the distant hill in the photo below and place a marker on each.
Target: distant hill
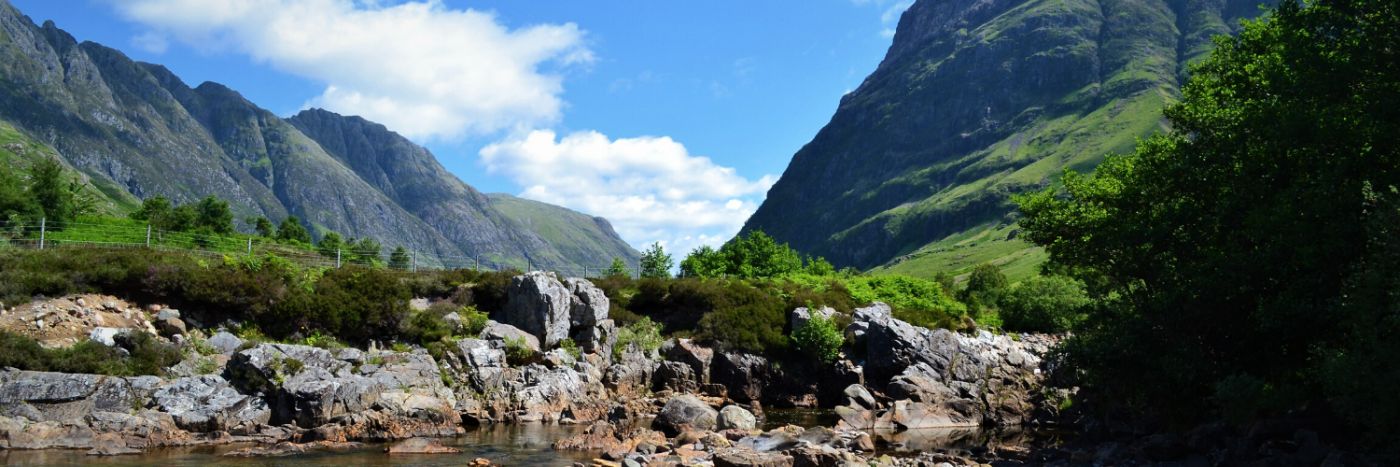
(974, 101)
(136, 131)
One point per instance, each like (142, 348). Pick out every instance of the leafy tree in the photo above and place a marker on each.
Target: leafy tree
(330, 244)
(213, 214)
(1044, 304)
(366, 251)
(264, 227)
(399, 259)
(1240, 248)
(759, 255)
(58, 197)
(704, 261)
(616, 269)
(985, 287)
(819, 266)
(291, 230)
(656, 262)
(14, 201)
(819, 339)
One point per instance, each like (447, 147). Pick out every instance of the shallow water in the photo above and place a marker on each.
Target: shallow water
(505, 445)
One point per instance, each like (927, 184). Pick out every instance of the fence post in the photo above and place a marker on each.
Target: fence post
(43, 230)
(585, 272)
(415, 261)
(337, 258)
(148, 235)
(250, 246)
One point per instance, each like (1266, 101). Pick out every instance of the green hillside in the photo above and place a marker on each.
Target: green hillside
(976, 101)
(18, 151)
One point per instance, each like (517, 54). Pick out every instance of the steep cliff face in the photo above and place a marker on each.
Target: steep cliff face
(976, 100)
(136, 127)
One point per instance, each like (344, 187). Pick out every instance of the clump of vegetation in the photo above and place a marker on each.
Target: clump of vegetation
(750, 256)
(145, 355)
(819, 339)
(643, 334)
(570, 347)
(518, 352)
(1044, 304)
(918, 301)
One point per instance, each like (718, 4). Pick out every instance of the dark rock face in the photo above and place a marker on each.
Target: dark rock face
(137, 129)
(209, 403)
(978, 99)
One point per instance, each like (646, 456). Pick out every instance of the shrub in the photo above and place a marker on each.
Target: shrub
(643, 334)
(145, 355)
(518, 352)
(571, 348)
(473, 320)
(819, 339)
(1044, 304)
(918, 301)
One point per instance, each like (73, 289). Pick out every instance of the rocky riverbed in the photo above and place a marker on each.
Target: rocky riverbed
(902, 394)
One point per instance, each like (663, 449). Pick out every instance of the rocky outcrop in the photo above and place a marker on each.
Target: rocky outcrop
(733, 417)
(540, 304)
(209, 403)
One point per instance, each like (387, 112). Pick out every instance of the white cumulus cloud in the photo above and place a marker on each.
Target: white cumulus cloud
(419, 67)
(650, 188)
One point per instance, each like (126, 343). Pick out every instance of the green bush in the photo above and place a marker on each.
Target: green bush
(644, 334)
(571, 348)
(518, 352)
(145, 355)
(918, 301)
(819, 339)
(1044, 304)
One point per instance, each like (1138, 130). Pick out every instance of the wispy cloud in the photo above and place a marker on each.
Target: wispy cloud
(419, 67)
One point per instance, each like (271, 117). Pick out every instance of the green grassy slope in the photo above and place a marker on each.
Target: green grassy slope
(18, 152)
(574, 234)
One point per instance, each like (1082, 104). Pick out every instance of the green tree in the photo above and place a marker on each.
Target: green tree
(1225, 252)
(759, 255)
(818, 266)
(14, 201)
(213, 214)
(616, 269)
(399, 259)
(704, 261)
(366, 251)
(291, 230)
(656, 262)
(1044, 304)
(58, 197)
(985, 287)
(330, 244)
(264, 227)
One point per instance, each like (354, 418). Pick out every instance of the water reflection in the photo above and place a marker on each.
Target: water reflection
(505, 445)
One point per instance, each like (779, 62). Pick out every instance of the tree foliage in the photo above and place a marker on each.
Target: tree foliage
(399, 258)
(1243, 245)
(656, 262)
(616, 269)
(819, 339)
(291, 230)
(750, 256)
(1043, 304)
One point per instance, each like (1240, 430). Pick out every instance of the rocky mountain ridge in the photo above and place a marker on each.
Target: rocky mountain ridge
(974, 101)
(138, 128)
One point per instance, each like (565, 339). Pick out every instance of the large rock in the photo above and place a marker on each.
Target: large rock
(302, 384)
(746, 376)
(209, 403)
(62, 397)
(553, 310)
(537, 303)
(799, 316)
(224, 342)
(498, 333)
(735, 417)
(690, 353)
(411, 385)
(675, 376)
(685, 412)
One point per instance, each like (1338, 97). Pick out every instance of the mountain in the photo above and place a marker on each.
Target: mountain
(976, 100)
(137, 130)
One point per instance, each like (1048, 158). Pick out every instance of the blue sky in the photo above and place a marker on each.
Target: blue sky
(669, 118)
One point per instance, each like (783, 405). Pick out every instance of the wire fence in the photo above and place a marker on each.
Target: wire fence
(44, 235)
